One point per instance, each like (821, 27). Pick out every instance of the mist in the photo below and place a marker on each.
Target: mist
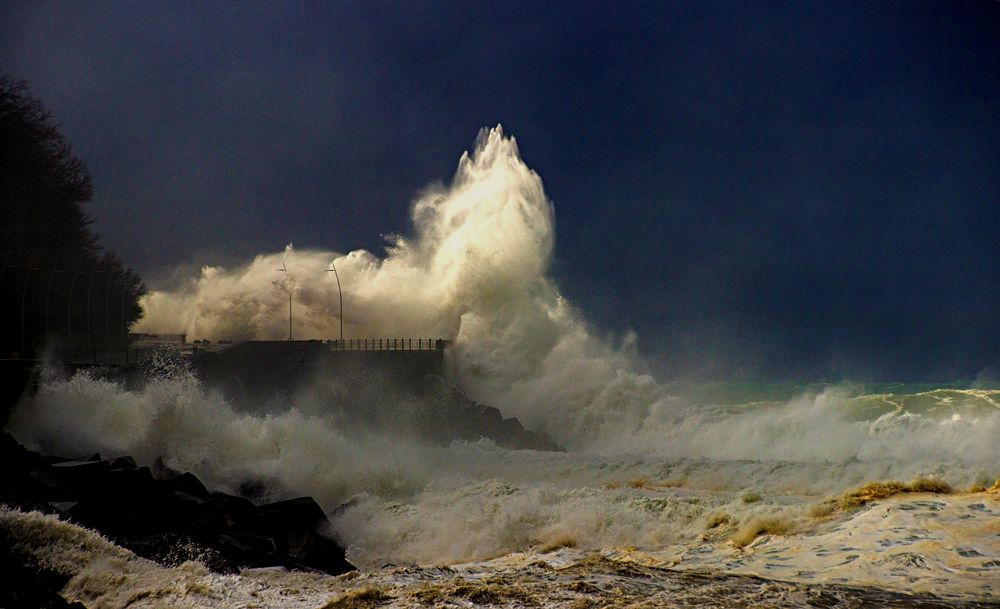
(736, 279)
(476, 270)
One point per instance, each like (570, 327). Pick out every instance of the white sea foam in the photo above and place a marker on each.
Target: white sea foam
(645, 468)
(428, 504)
(475, 270)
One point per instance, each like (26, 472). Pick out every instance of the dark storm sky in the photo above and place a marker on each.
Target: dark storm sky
(765, 189)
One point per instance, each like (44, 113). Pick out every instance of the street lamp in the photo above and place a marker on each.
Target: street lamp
(340, 295)
(284, 270)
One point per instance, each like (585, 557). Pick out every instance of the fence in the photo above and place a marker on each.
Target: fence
(389, 344)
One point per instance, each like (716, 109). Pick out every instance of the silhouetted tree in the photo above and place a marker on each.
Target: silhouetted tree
(56, 285)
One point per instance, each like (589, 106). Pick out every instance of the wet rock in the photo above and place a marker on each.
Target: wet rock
(377, 391)
(172, 515)
(474, 421)
(124, 463)
(186, 483)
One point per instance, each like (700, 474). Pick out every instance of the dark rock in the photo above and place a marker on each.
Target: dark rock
(300, 513)
(173, 517)
(482, 421)
(16, 460)
(80, 472)
(248, 549)
(62, 507)
(162, 471)
(255, 489)
(17, 378)
(239, 507)
(40, 485)
(295, 528)
(378, 391)
(322, 553)
(186, 483)
(172, 549)
(125, 462)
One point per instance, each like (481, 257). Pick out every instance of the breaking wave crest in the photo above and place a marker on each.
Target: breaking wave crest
(472, 501)
(647, 466)
(475, 270)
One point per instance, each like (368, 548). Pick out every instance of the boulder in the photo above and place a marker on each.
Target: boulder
(171, 516)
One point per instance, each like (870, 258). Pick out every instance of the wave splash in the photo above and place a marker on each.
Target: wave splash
(472, 501)
(646, 467)
(475, 270)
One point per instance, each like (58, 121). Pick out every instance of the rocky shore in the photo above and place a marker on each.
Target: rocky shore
(160, 514)
(171, 517)
(390, 392)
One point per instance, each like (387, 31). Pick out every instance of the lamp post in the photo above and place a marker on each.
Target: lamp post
(340, 296)
(284, 270)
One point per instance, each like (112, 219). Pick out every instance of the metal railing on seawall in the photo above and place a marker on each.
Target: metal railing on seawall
(389, 344)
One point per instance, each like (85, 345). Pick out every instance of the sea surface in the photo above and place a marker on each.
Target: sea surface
(720, 495)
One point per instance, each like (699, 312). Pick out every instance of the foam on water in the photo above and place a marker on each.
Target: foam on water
(945, 545)
(886, 554)
(648, 468)
(475, 270)
(427, 505)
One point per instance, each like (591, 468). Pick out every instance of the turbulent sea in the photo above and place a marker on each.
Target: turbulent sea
(744, 500)
(717, 495)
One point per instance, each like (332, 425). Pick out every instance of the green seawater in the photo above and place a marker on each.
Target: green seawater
(863, 401)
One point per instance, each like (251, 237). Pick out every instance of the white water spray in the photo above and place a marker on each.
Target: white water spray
(475, 270)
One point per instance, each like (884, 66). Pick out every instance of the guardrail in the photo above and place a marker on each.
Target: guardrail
(389, 344)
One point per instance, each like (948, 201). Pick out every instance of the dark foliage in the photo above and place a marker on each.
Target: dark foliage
(57, 288)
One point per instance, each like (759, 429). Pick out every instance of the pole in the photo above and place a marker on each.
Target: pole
(340, 297)
(284, 270)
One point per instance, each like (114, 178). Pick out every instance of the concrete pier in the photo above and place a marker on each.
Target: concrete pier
(364, 368)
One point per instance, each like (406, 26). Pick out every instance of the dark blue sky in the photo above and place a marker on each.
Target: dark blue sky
(766, 189)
